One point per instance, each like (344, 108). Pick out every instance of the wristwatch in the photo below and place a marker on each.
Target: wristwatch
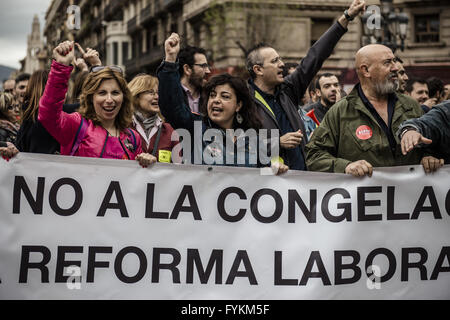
(347, 16)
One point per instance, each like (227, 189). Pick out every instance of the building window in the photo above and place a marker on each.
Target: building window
(125, 51)
(318, 28)
(115, 53)
(427, 28)
(148, 41)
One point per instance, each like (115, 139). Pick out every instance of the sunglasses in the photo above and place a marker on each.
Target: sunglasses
(113, 68)
(13, 107)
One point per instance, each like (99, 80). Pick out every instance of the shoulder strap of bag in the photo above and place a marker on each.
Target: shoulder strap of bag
(79, 136)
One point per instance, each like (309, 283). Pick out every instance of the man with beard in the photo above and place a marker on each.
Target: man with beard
(193, 70)
(328, 90)
(358, 133)
(402, 76)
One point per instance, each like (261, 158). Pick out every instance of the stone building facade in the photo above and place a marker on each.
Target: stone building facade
(131, 33)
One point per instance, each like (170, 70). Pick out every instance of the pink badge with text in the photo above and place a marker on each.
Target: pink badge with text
(364, 132)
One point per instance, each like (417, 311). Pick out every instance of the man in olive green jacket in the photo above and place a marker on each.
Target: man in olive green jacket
(358, 132)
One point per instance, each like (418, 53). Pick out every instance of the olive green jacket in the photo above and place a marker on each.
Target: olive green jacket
(336, 142)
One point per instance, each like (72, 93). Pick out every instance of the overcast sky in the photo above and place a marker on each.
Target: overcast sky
(16, 18)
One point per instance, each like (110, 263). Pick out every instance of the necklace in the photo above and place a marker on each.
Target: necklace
(116, 133)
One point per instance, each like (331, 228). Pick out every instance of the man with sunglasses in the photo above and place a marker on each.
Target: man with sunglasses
(194, 71)
(277, 97)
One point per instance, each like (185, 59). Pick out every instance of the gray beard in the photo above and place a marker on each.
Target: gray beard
(386, 87)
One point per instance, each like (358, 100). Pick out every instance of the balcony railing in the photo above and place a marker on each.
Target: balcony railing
(151, 57)
(132, 25)
(146, 14)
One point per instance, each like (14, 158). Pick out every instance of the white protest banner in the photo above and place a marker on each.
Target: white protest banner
(81, 228)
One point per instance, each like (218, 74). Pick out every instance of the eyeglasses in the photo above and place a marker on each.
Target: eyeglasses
(12, 107)
(113, 68)
(203, 65)
(150, 92)
(8, 90)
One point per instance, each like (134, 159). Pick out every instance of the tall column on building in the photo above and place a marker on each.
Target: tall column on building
(34, 46)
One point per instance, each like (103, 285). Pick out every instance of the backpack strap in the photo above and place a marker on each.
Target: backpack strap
(134, 138)
(79, 136)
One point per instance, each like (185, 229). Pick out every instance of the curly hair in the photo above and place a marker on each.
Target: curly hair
(92, 84)
(6, 100)
(248, 111)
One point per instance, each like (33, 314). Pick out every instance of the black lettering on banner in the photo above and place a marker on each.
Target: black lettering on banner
(279, 281)
(392, 263)
(93, 263)
(26, 265)
(157, 266)
(391, 215)
(193, 258)
(119, 261)
(339, 266)
(278, 205)
(447, 202)
(363, 203)
(188, 192)
(149, 203)
(114, 188)
(445, 253)
(54, 192)
(62, 263)
(346, 215)
(295, 199)
(35, 203)
(427, 192)
(221, 204)
(315, 258)
(241, 257)
(406, 265)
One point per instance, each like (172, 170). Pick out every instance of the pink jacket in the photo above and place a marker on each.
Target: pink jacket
(63, 126)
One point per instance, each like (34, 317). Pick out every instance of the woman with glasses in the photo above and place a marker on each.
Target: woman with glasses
(101, 127)
(9, 117)
(227, 104)
(147, 120)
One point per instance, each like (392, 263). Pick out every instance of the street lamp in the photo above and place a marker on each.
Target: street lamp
(384, 25)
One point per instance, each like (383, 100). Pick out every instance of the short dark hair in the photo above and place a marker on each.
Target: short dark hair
(410, 83)
(254, 58)
(323, 75)
(435, 85)
(187, 56)
(248, 111)
(23, 77)
(287, 66)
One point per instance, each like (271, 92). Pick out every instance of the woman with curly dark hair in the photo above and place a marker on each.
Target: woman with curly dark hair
(227, 111)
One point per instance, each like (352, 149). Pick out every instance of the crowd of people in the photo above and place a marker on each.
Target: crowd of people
(82, 108)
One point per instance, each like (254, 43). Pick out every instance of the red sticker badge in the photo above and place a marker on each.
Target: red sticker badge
(364, 132)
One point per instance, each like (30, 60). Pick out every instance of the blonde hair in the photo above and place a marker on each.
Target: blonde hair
(6, 100)
(90, 86)
(141, 83)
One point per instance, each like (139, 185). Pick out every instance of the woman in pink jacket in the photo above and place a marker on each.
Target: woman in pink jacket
(101, 127)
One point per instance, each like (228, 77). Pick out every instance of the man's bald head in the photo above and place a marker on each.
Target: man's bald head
(376, 68)
(369, 54)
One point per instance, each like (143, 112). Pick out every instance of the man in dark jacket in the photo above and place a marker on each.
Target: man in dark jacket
(277, 98)
(328, 90)
(432, 129)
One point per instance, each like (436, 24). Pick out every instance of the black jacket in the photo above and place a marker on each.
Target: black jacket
(293, 88)
(33, 137)
(434, 125)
